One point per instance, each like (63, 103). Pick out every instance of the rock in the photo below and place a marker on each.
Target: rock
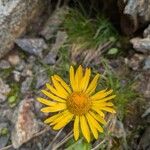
(143, 85)
(20, 66)
(4, 64)
(32, 46)
(31, 59)
(4, 136)
(134, 14)
(26, 84)
(146, 33)
(141, 45)
(41, 79)
(41, 76)
(117, 128)
(17, 75)
(147, 89)
(25, 123)
(146, 113)
(54, 22)
(6, 113)
(14, 59)
(147, 63)
(144, 143)
(4, 91)
(60, 40)
(15, 17)
(135, 61)
(27, 71)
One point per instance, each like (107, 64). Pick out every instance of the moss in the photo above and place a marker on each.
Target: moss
(14, 95)
(4, 131)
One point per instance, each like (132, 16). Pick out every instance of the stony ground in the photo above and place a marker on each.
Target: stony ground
(43, 51)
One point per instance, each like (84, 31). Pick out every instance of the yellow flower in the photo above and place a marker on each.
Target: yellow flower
(78, 103)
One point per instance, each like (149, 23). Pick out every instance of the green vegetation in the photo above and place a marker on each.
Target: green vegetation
(3, 131)
(5, 73)
(14, 94)
(123, 91)
(79, 145)
(86, 32)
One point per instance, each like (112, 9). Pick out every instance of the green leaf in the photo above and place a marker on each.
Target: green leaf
(113, 51)
(12, 99)
(79, 145)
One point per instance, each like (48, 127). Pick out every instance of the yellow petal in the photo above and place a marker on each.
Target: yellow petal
(45, 101)
(107, 98)
(54, 117)
(76, 128)
(63, 83)
(60, 117)
(84, 128)
(101, 94)
(98, 111)
(59, 88)
(57, 107)
(92, 85)
(53, 97)
(102, 104)
(98, 118)
(78, 77)
(92, 126)
(94, 123)
(72, 78)
(63, 122)
(54, 91)
(108, 109)
(85, 80)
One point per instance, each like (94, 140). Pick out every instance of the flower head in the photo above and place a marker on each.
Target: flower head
(77, 101)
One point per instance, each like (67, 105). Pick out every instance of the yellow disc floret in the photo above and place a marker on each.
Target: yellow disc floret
(78, 103)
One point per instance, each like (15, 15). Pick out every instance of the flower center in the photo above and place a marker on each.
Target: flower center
(78, 103)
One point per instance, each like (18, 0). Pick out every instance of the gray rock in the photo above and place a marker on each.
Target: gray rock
(117, 128)
(41, 75)
(147, 89)
(25, 123)
(41, 79)
(32, 46)
(50, 58)
(145, 140)
(5, 114)
(146, 33)
(147, 63)
(146, 113)
(27, 71)
(21, 65)
(4, 91)
(60, 40)
(54, 22)
(31, 59)
(15, 16)
(26, 84)
(135, 62)
(141, 45)
(17, 75)
(134, 14)
(4, 64)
